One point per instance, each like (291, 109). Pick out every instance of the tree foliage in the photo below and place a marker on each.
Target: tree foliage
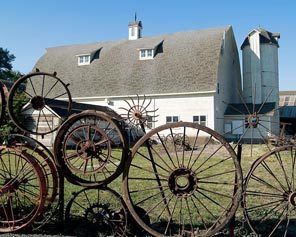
(8, 74)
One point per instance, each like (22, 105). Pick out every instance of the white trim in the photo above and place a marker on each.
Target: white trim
(84, 54)
(46, 107)
(147, 95)
(146, 57)
(84, 61)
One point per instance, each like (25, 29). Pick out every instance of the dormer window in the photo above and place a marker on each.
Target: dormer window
(83, 60)
(146, 54)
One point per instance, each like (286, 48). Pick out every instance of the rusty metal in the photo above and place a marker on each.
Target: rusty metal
(178, 140)
(38, 99)
(189, 180)
(52, 177)
(270, 193)
(91, 149)
(138, 112)
(179, 179)
(22, 191)
(97, 212)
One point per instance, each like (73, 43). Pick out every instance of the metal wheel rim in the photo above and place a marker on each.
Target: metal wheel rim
(14, 90)
(116, 196)
(59, 150)
(126, 191)
(275, 186)
(30, 217)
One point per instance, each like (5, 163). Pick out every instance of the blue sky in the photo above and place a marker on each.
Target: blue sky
(28, 27)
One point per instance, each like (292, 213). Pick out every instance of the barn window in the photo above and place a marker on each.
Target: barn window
(146, 54)
(172, 119)
(201, 119)
(287, 99)
(83, 60)
(228, 127)
(149, 122)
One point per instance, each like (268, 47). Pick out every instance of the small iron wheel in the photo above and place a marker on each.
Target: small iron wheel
(33, 100)
(91, 148)
(97, 212)
(185, 192)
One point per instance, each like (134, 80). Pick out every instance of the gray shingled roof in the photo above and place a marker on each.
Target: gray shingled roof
(185, 62)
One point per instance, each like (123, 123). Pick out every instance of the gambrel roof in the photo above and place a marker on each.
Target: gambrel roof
(184, 62)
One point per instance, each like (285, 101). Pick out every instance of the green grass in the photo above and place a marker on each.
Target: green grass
(187, 207)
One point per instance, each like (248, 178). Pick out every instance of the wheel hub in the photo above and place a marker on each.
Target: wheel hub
(137, 114)
(88, 149)
(182, 182)
(11, 185)
(38, 102)
(292, 198)
(253, 120)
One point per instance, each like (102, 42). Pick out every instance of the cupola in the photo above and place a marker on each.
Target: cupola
(135, 29)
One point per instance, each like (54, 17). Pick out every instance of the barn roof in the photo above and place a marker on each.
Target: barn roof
(288, 112)
(185, 62)
(61, 108)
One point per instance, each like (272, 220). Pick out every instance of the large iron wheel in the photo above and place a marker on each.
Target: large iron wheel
(33, 101)
(188, 192)
(91, 148)
(22, 189)
(97, 211)
(270, 195)
(45, 159)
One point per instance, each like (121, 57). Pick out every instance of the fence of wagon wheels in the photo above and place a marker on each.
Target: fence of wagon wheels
(179, 179)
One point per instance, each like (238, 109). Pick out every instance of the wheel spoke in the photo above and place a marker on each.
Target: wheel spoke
(204, 147)
(166, 150)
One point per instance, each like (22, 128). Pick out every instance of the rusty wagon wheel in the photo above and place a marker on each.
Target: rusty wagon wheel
(179, 141)
(91, 148)
(188, 192)
(97, 211)
(2, 101)
(270, 195)
(22, 189)
(33, 102)
(45, 159)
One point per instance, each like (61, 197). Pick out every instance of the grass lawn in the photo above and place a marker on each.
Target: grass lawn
(208, 202)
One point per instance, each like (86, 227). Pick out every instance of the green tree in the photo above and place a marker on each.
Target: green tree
(7, 74)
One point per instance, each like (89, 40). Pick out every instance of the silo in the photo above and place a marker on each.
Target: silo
(261, 74)
(260, 66)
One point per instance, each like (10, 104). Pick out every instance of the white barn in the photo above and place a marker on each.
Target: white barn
(190, 76)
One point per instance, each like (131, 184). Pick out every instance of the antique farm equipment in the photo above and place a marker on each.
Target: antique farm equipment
(34, 105)
(182, 180)
(270, 195)
(91, 148)
(179, 179)
(23, 189)
(97, 211)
